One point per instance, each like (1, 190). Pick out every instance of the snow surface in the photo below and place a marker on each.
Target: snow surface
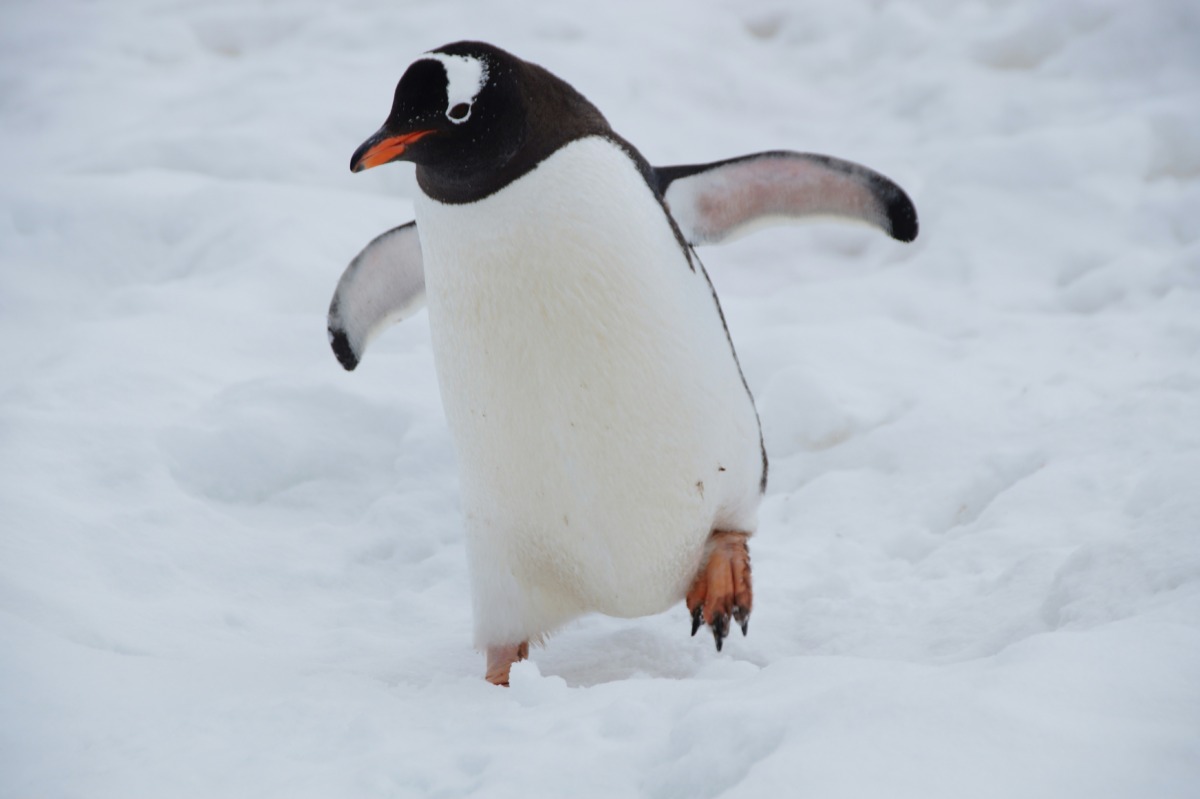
(230, 569)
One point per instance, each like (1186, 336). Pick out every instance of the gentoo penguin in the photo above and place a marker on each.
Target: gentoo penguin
(610, 452)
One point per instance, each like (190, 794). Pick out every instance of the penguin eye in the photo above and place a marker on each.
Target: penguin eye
(459, 112)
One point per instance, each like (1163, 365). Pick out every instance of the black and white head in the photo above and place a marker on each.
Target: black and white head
(473, 117)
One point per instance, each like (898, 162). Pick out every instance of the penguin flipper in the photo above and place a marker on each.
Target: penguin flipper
(384, 284)
(715, 202)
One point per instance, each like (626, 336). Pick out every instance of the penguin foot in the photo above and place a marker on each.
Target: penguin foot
(722, 586)
(500, 660)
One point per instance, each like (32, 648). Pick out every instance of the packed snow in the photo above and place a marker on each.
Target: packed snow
(228, 568)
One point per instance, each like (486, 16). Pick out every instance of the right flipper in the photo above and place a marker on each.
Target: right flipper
(384, 284)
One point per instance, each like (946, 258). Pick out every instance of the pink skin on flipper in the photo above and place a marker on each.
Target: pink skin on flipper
(729, 200)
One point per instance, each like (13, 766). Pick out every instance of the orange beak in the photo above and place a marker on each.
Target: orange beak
(380, 149)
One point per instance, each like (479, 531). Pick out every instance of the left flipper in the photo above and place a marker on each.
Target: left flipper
(715, 202)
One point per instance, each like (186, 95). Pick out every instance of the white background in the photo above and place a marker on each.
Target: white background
(230, 569)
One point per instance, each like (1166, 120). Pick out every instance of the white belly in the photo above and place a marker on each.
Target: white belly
(602, 428)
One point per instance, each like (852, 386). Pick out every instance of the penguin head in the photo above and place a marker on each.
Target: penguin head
(457, 112)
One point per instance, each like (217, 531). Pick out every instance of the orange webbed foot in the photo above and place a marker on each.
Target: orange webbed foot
(500, 660)
(722, 586)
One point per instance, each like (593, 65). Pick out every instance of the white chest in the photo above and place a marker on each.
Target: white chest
(600, 421)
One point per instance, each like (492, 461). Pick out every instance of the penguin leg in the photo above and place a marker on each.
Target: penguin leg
(500, 660)
(722, 586)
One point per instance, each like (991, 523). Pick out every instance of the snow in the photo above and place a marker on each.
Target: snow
(231, 569)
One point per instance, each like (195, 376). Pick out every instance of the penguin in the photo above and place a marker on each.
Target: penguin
(610, 454)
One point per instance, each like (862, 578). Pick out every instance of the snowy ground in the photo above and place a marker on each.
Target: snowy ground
(230, 569)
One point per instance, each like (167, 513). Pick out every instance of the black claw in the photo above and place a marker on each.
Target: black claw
(720, 628)
(697, 614)
(743, 618)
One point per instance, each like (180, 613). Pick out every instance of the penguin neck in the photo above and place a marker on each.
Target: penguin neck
(455, 186)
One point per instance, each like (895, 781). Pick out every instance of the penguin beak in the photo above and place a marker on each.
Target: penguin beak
(383, 147)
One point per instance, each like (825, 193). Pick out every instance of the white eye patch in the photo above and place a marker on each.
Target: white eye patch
(465, 77)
